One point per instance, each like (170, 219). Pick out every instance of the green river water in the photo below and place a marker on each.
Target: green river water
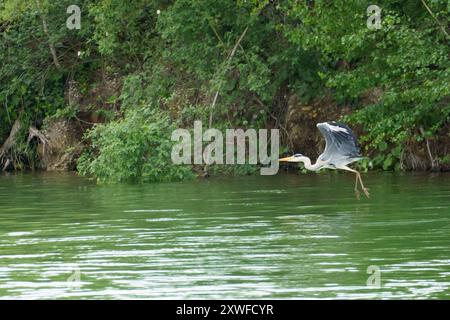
(283, 236)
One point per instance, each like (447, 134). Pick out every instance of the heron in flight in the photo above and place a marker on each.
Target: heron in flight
(341, 149)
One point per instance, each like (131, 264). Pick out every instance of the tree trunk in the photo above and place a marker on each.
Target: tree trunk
(5, 160)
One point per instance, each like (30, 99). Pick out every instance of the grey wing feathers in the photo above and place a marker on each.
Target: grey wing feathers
(341, 144)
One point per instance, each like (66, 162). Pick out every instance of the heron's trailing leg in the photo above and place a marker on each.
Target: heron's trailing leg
(358, 178)
(357, 194)
(364, 189)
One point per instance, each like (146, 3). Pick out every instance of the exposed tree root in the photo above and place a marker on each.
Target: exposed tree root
(7, 154)
(35, 133)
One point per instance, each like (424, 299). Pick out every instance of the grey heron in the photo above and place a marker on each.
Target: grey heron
(341, 149)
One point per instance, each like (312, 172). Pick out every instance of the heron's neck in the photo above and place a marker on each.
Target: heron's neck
(307, 162)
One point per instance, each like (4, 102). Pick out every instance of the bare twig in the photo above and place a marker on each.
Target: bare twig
(434, 17)
(212, 107)
(230, 56)
(45, 27)
(216, 33)
(84, 121)
(216, 95)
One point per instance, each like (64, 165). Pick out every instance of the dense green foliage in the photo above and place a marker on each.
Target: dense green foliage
(136, 148)
(174, 56)
(407, 61)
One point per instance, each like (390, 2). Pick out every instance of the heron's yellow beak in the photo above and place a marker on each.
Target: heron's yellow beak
(287, 159)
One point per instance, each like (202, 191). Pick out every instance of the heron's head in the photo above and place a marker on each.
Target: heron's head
(295, 158)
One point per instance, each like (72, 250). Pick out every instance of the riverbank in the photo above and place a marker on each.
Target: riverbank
(103, 98)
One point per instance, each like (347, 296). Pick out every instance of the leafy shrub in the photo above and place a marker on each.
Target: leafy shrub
(136, 148)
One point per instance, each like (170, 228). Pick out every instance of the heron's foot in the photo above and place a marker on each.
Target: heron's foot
(366, 192)
(357, 194)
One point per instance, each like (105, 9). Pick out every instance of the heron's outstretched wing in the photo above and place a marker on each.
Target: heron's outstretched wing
(341, 144)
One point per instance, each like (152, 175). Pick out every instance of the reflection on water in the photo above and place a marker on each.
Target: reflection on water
(284, 236)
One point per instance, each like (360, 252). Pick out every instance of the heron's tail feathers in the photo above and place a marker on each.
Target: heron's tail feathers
(358, 158)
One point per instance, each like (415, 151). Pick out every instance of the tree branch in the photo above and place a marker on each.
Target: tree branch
(230, 56)
(434, 17)
(45, 27)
